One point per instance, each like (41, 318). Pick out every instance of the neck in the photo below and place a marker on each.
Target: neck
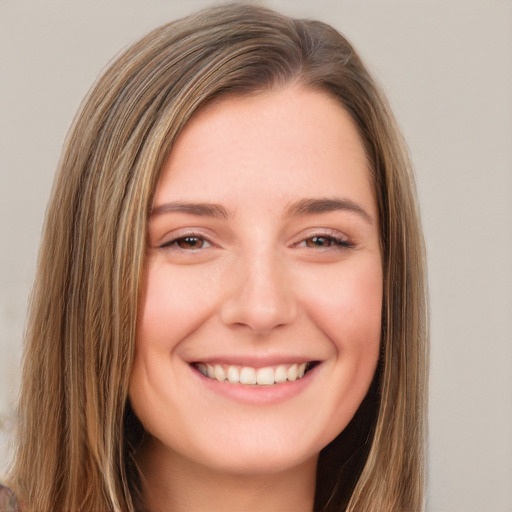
(175, 484)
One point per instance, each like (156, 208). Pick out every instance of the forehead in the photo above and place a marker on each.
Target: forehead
(295, 141)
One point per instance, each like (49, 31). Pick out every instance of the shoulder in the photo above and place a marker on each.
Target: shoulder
(8, 502)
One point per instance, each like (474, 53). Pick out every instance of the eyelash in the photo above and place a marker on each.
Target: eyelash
(176, 242)
(334, 243)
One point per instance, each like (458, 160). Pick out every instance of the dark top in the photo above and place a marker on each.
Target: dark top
(8, 502)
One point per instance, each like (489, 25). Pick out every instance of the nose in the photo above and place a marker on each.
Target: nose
(260, 295)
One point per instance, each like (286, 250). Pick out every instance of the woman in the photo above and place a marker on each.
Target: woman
(229, 308)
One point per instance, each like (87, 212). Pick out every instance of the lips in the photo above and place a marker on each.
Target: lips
(252, 376)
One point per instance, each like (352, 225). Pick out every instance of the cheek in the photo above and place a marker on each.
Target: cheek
(348, 307)
(349, 312)
(172, 306)
(165, 316)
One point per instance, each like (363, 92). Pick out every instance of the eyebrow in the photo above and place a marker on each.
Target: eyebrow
(324, 205)
(302, 207)
(203, 209)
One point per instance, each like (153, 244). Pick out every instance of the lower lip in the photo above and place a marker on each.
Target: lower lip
(254, 394)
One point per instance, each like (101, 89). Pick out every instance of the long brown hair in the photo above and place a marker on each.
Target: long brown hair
(77, 433)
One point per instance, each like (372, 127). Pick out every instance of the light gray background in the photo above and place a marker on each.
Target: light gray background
(447, 68)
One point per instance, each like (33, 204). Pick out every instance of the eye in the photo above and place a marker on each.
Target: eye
(187, 243)
(319, 241)
(324, 242)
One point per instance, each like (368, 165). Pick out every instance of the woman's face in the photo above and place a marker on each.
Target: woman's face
(263, 267)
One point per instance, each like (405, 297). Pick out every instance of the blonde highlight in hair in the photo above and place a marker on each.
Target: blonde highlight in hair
(77, 434)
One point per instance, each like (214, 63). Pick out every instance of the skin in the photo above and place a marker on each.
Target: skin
(262, 278)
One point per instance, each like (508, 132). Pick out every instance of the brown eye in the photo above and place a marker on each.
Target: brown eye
(325, 242)
(319, 241)
(190, 242)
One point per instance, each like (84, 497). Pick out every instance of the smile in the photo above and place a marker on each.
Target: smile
(250, 376)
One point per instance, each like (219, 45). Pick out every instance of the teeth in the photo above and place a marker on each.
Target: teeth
(233, 374)
(265, 376)
(220, 373)
(280, 374)
(247, 375)
(203, 369)
(292, 373)
(250, 376)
